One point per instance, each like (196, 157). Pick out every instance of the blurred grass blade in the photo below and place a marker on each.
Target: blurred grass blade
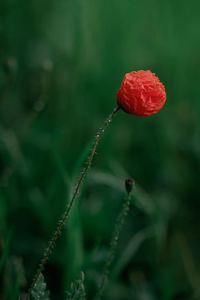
(5, 250)
(61, 169)
(81, 159)
(131, 249)
(190, 266)
(143, 201)
(104, 178)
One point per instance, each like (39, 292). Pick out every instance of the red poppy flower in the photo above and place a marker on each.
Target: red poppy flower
(141, 93)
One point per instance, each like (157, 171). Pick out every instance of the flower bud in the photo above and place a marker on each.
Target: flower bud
(129, 184)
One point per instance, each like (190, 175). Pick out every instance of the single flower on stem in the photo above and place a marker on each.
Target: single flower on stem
(142, 94)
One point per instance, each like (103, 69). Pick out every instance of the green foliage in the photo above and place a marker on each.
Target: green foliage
(61, 64)
(39, 291)
(4, 254)
(77, 289)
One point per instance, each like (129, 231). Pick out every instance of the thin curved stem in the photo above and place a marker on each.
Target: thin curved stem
(113, 245)
(66, 214)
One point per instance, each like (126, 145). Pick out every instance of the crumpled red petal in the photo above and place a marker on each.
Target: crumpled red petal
(141, 93)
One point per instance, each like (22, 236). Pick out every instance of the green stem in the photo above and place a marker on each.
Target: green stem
(66, 214)
(113, 245)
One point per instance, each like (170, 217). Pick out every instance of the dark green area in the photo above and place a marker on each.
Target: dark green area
(61, 64)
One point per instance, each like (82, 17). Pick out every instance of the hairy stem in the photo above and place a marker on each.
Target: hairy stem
(66, 214)
(113, 245)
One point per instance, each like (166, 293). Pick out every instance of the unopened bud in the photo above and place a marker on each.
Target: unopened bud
(129, 184)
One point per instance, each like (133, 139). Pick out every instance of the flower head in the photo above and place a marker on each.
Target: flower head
(141, 93)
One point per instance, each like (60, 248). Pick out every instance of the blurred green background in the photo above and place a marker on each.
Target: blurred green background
(61, 64)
